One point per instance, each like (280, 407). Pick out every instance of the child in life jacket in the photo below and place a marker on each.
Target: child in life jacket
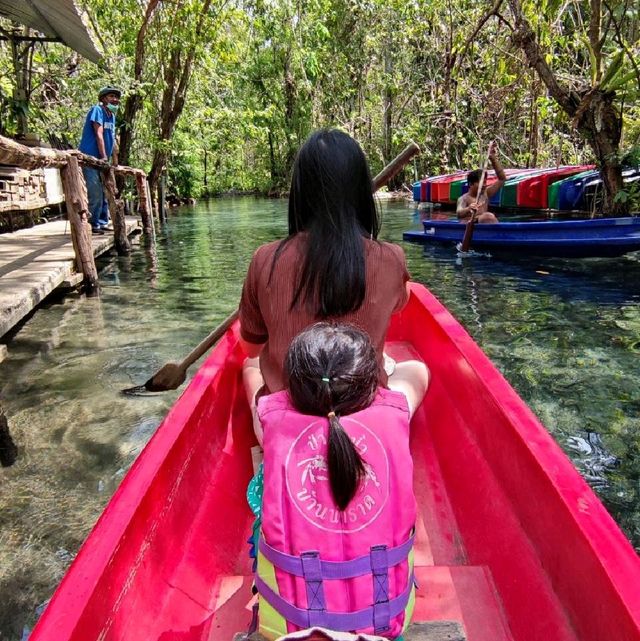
(338, 510)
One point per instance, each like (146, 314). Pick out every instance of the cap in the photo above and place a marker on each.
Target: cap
(105, 90)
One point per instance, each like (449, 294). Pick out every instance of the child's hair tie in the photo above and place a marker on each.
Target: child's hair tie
(331, 415)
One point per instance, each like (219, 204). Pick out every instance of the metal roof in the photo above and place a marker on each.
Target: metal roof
(61, 19)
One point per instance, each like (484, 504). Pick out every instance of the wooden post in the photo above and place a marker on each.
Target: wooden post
(162, 198)
(75, 195)
(116, 208)
(144, 205)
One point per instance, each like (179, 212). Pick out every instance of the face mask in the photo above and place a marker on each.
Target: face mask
(113, 108)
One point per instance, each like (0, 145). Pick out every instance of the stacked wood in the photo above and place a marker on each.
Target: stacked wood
(21, 189)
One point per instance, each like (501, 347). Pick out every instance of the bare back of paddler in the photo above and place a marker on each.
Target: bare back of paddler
(472, 202)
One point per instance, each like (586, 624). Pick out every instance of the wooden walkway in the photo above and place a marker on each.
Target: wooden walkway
(35, 261)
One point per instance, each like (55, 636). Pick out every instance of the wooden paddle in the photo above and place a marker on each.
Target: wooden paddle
(468, 232)
(172, 375)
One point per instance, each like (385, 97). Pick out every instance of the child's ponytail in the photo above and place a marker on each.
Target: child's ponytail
(332, 371)
(346, 468)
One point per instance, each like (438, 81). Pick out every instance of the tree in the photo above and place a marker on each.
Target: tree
(592, 102)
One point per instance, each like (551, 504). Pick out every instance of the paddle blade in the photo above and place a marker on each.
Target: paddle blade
(468, 235)
(168, 377)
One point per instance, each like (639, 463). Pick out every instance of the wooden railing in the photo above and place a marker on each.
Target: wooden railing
(75, 193)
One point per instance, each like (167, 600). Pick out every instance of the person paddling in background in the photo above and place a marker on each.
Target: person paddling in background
(472, 201)
(330, 266)
(338, 488)
(98, 140)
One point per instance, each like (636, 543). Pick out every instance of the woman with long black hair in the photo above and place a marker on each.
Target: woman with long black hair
(331, 265)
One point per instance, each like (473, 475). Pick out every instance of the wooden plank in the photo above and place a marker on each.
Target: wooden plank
(435, 631)
(34, 261)
(73, 281)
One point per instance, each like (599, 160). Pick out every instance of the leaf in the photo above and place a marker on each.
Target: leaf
(552, 8)
(594, 64)
(619, 81)
(612, 70)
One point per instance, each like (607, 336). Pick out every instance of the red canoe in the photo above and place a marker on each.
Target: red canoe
(533, 192)
(441, 187)
(511, 541)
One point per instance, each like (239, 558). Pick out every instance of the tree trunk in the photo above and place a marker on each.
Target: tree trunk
(133, 101)
(593, 112)
(290, 93)
(534, 124)
(598, 120)
(387, 109)
(177, 75)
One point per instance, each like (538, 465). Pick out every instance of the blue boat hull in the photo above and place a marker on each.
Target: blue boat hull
(603, 237)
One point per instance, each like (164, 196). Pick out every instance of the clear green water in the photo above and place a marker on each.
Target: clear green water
(568, 340)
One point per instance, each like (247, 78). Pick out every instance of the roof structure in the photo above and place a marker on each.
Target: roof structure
(57, 19)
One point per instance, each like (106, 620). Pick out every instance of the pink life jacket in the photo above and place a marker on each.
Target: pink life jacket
(318, 566)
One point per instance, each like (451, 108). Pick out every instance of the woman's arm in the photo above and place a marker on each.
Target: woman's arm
(253, 382)
(410, 378)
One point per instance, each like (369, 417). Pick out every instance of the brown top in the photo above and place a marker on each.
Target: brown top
(265, 315)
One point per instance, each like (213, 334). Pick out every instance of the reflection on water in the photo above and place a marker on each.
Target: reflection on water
(566, 334)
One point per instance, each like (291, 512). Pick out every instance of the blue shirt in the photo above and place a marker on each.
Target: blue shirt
(88, 143)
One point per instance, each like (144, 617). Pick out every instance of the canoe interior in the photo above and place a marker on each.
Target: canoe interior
(510, 540)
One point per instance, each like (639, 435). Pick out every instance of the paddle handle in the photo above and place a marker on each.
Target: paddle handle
(207, 343)
(385, 175)
(468, 232)
(396, 165)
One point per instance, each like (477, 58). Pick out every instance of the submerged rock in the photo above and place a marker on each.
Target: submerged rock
(8, 449)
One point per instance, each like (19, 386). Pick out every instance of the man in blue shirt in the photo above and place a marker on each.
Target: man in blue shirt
(98, 140)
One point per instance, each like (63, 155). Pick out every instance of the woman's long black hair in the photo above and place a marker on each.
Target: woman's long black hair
(331, 199)
(332, 371)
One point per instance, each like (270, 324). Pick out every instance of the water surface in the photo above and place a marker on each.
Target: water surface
(566, 334)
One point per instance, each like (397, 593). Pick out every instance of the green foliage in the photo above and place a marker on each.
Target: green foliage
(268, 72)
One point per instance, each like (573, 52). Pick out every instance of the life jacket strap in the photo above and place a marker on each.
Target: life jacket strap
(334, 570)
(315, 591)
(380, 574)
(340, 621)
